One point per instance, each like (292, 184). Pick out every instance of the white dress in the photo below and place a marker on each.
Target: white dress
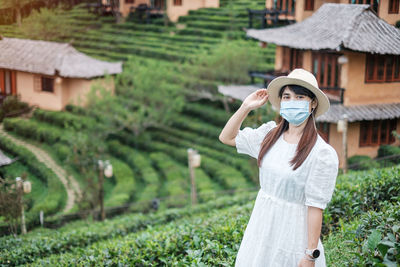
(276, 234)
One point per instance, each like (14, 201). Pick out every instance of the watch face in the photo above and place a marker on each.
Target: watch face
(316, 253)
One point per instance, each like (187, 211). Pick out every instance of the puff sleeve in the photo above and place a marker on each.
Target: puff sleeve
(321, 183)
(248, 140)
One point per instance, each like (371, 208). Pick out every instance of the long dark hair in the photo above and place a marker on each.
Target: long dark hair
(307, 140)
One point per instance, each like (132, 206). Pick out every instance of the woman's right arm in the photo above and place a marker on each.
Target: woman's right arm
(231, 129)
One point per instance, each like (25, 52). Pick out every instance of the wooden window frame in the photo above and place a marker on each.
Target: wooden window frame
(393, 7)
(309, 5)
(366, 129)
(291, 58)
(321, 130)
(320, 72)
(44, 83)
(159, 4)
(178, 2)
(390, 68)
(288, 5)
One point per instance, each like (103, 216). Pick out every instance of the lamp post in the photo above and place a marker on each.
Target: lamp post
(194, 160)
(22, 187)
(105, 169)
(342, 127)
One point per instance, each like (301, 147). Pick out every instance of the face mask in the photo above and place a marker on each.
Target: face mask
(295, 111)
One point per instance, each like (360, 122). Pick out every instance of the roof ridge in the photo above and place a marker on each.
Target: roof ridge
(355, 22)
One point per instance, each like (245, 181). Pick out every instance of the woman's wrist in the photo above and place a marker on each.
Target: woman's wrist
(308, 257)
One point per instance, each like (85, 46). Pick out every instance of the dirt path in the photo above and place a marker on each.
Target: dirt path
(69, 182)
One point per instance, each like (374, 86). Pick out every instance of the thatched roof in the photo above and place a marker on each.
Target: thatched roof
(52, 58)
(361, 112)
(336, 26)
(4, 160)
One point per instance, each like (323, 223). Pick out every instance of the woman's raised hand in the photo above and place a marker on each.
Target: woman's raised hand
(256, 99)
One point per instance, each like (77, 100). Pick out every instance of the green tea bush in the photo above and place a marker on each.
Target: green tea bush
(55, 200)
(77, 235)
(362, 162)
(361, 191)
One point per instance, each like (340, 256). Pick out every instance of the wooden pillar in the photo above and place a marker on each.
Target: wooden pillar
(2, 84)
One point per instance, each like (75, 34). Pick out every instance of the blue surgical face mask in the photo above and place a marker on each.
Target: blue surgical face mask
(295, 111)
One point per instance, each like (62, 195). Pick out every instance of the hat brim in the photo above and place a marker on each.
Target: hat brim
(276, 84)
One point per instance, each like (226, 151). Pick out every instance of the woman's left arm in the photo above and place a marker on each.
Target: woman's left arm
(314, 219)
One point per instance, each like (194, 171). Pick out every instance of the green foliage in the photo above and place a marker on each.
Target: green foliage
(125, 186)
(53, 202)
(362, 162)
(389, 150)
(371, 240)
(77, 235)
(360, 191)
(10, 105)
(46, 24)
(147, 95)
(141, 164)
(62, 119)
(35, 130)
(228, 63)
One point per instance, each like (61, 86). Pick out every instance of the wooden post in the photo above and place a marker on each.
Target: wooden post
(20, 191)
(192, 176)
(345, 167)
(101, 193)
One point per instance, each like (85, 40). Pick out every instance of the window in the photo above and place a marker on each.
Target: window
(129, 1)
(394, 6)
(382, 68)
(373, 3)
(291, 59)
(377, 132)
(159, 4)
(309, 5)
(285, 5)
(326, 69)
(47, 84)
(177, 2)
(323, 130)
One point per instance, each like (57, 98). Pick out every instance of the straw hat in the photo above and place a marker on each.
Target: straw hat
(298, 77)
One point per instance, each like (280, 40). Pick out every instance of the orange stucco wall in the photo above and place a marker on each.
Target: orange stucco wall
(124, 8)
(45, 100)
(66, 90)
(353, 139)
(357, 91)
(383, 12)
(173, 12)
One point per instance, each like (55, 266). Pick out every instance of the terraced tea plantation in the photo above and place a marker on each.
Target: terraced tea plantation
(201, 30)
(363, 229)
(157, 168)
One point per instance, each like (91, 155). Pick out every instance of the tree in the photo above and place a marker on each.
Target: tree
(46, 24)
(147, 95)
(9, 205)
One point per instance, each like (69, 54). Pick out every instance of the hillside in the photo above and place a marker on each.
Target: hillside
(209, 234)
(157, 165)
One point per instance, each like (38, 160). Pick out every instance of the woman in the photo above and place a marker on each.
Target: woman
(298, 171)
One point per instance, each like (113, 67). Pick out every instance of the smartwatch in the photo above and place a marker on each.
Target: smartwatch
(314, 253)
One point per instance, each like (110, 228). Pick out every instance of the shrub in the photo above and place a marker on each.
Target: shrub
(362, 162)
(388, 150)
